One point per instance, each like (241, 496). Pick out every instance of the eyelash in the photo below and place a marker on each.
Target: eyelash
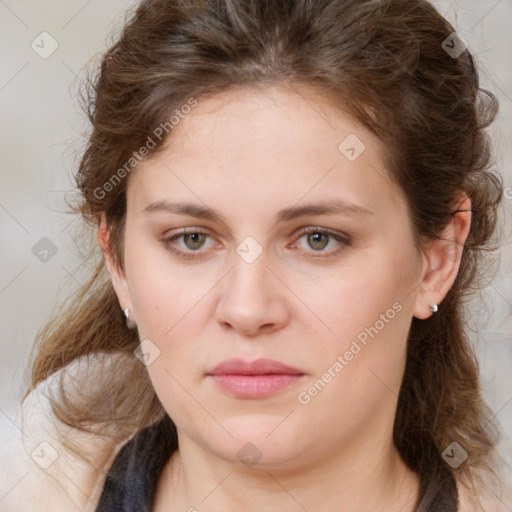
(342, 240)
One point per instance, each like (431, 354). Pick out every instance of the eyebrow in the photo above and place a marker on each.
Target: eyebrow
(337, 207)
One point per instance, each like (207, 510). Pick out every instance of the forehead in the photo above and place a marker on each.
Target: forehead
(260, 146)
(264, 122)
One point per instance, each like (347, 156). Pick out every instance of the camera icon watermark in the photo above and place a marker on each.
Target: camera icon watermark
(44, 455)
(44, 45)
(44, 250)
(454, 45)
(147, 352)
(249, 455)
(249, 249)
(454, 455)
(352, 147)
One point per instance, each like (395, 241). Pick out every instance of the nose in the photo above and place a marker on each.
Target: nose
(253, 299)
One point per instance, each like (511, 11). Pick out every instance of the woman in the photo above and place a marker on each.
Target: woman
(291, 202)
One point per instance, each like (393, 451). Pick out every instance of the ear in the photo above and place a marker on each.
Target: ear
(441, 260)
(117, 275)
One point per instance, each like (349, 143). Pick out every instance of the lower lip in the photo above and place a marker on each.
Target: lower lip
(255, 386)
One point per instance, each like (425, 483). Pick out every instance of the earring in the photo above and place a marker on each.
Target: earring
(129, 323)
(433, 308)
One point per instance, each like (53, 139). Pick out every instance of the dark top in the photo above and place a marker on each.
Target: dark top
(131, 482)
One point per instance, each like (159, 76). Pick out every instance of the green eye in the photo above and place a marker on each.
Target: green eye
(318, 241)
(194, 240)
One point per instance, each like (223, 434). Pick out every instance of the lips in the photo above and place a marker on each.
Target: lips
(254, 379)
(258, 367)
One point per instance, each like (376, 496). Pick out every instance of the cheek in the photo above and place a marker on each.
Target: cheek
(358, 372)
(161, 295)
(352, 300)
(169, 312)
(172, 308)
(360, 359)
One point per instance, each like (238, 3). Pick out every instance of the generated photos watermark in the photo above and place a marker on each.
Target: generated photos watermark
(342, 360)
(159, 134)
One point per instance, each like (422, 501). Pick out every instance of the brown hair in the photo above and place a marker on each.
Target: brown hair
(382, 61)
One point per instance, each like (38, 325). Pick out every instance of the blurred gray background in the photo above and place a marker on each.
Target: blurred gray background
(44, 48)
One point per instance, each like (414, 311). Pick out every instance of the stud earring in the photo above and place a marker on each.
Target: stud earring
(433, 308)
(129, 323)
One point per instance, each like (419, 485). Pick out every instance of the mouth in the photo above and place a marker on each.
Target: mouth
(254, 379)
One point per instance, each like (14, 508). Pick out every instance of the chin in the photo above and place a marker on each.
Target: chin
(256, 441)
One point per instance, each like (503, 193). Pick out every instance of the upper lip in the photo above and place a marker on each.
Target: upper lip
(257, 367)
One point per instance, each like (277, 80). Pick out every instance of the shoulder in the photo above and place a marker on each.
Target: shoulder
(39, 471)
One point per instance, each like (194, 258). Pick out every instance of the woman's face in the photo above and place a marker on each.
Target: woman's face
(251, 172)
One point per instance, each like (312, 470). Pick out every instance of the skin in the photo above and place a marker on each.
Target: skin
(248, 154)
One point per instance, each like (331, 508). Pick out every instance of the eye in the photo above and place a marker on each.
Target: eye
(319, 239)
(193, 240)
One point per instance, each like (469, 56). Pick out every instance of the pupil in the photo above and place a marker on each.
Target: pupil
(195, 238)
(316, 239)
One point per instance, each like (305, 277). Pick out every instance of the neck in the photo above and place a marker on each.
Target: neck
(352, 479)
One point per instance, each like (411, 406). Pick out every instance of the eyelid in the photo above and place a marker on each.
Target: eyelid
(317, 229)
